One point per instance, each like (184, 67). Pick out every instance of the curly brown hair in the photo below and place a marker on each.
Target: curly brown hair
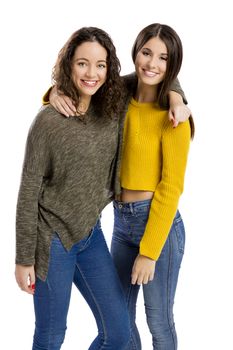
(109, 99)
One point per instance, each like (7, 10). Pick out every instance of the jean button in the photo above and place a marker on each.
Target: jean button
(120, 206)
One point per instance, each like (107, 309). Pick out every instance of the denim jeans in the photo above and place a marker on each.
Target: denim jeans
(129, 224)
(89, 266)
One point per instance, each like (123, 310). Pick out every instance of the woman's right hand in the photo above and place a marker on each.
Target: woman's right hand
(25, 277)
(62, 103)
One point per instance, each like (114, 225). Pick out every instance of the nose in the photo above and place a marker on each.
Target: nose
(153, 63)
(91, 71)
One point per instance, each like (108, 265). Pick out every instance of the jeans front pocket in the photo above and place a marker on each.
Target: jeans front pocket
(180, 233)
(142, 216)
(136, 223)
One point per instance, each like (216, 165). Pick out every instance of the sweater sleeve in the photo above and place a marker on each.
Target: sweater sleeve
(35, 168)
(175, 86)
(175, 147)
(45, 98)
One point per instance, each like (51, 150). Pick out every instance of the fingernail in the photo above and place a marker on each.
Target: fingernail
(33, 286)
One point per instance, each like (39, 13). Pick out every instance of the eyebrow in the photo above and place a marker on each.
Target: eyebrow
(85, 59)
(147, 48)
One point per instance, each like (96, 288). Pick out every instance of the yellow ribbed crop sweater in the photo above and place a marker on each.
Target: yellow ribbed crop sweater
(154, 157)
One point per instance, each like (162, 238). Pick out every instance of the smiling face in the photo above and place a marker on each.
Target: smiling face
(89, 68)
(151, 62)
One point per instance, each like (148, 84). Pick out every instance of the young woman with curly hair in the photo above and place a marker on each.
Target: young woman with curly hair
(66, 182)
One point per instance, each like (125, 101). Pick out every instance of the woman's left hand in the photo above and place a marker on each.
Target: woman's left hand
(143, 270)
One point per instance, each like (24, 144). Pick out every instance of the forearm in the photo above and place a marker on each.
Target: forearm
(175, 98)
(176, 93)
(175, 148)
(26, 219)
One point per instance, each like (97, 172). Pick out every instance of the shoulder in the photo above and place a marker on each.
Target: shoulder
(47, 117)
(45, 122)
(182, 132)
(130, 80)
(47, 114)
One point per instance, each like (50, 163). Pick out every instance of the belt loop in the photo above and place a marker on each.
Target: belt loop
(131, 208)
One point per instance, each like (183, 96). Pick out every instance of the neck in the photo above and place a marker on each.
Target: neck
(83, 105)
(146, 93)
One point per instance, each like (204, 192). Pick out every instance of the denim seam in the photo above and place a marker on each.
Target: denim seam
(51, 323)
(169, 289)
(181, 246)
(132, 339)
(97, 305)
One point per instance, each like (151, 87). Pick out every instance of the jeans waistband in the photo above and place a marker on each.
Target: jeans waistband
(132, 207)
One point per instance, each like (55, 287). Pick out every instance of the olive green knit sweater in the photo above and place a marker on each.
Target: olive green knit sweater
(66, 182)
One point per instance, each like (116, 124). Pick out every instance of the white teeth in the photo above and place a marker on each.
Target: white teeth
(150, 74)
(91, 83)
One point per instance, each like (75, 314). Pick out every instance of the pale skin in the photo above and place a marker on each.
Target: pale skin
(25, 277)
(150, 67)
(89, 72)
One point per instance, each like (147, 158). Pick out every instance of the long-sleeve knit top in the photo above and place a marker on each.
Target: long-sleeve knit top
(66, 182)
(70, 170)
(154, 157)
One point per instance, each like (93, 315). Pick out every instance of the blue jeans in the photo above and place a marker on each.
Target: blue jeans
(129, 224)
(89, 266)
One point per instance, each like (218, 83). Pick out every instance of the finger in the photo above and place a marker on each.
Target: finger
(63, 108)
(69, 111)
(29, 290)
(140, 279)
(25, 288)
(170, 115)
(175, 123)
(151, 276)
(32, 281)
(134, 278)
(58, 106)
(145, 279)
(70, 104)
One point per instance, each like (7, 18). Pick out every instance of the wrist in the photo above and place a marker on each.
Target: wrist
(147, 257)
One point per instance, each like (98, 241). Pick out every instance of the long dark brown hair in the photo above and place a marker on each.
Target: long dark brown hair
(109, 98)
(175, 56)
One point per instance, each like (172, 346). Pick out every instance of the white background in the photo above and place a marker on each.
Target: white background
(32, 33)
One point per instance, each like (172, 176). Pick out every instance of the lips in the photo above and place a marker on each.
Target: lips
(149, 73)
(89, 83)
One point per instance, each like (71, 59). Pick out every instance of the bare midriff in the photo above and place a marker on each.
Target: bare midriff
(135, 195)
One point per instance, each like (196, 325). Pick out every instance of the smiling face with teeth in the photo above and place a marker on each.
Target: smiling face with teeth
(157, 54)
(89, 68)
(151, 62)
